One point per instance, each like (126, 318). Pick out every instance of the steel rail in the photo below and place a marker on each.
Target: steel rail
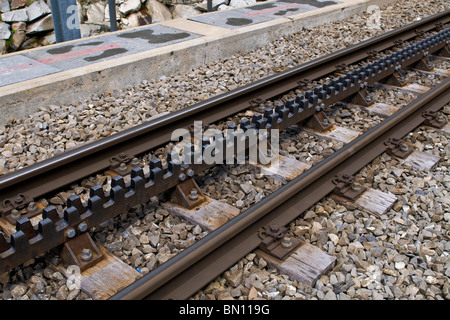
(195, 267)
(46, 176)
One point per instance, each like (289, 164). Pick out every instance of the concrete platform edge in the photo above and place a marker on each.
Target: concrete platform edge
(68, 87)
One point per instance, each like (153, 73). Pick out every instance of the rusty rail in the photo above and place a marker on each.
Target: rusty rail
(195, 267)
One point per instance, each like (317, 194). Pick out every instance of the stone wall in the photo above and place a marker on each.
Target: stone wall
(26, 24)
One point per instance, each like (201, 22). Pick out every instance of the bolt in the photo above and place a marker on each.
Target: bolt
(32, 206)
(182, 177)
(123, 166)
(368, 98)
(356, 187)
(15, 214)
(71, 233)
(19, 199)
(190, 173)
(286, 242)
(135, 162)
(193, 195)
(274, 228)
(86, 254)
(440, 119)
(83, 226)
(404, 148)
(325, 121)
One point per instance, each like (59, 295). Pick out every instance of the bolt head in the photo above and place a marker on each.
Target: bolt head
(32, 206)
(15, 214)
(286, 242)
(440, 119)
(193, 195)
(86, 254)
(135, 161)
(71, 233)
(404, 148)
(83, 227)
(182, 177)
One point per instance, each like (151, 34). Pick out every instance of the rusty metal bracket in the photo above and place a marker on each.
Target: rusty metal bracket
(257, 104)
(362, 98)
(399, 43)
(122, 164)
(434, 119)
(18, 207)
(395, 79)
(276, 242)
(319, 121)
(420, 32)
(423, 64)
(444, 52)
(302, 84)
(345, 187)
(341, 68)
(188, 194)
(81, 251)
(396, 148)
(372, 54)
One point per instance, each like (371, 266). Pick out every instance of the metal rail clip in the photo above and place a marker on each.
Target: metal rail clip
(345, 187)
(276, 242)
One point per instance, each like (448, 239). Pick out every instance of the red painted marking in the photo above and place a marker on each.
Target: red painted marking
(292, 5)
(57, 58)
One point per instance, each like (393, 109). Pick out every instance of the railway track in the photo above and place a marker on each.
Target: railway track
(302, 95)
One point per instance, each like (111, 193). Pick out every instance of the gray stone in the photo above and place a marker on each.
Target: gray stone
(37, 9)
(241, 3)
(376, 251)
(95, 13)
(4, 6)
(16, 15)
(130, 6)
(15, 4)
(246, 188)
(158, 11)
(184, 11)
(19, 290)
(233, 279)
(5, 32)
(44, 24)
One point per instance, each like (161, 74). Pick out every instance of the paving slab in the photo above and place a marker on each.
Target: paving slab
(48, 60)
(237, 18)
